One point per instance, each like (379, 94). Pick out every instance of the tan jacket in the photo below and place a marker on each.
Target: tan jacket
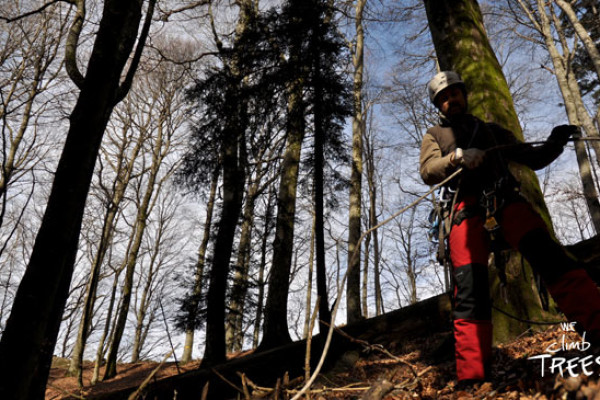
(442, 140)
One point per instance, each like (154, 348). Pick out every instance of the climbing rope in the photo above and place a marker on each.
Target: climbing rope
(540, 142)
(527, 321)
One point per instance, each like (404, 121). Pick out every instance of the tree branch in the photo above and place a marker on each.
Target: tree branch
(126, 85)
(214, 29)
(36, 11)
(195, 4)
(172, 60)
(72, 42)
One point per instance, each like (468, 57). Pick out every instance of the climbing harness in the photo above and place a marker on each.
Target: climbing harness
(494, 197)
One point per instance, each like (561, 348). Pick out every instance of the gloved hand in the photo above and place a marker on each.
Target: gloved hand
(561, 134)
(473, 158)
(469, 158)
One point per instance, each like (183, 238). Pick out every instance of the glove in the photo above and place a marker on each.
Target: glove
(560, 135)
(473, 158)
(469, 158)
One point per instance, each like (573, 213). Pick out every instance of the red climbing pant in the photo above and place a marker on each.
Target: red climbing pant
(574, 292)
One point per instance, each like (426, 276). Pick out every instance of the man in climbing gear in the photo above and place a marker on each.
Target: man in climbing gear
(486, 199)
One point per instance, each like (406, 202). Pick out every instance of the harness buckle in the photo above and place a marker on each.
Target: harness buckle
(491, 206)
(491, 225)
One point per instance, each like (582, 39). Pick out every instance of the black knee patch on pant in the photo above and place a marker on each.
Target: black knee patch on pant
(546, 256)
(472, 300)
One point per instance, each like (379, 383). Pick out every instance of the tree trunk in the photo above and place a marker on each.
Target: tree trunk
(101, 350)
(376, 253)
(318, 183)
(276, 331)
(141, 327)
(235, 317)
(262, 267)
(233, 179)
(462, 45)
(373, 220)
(588, 42)
(353, 309)
(275, 323)
(364, 289)
(200, 264)
(233, 152)
(32, 328)
(309, 282)
(234, 161)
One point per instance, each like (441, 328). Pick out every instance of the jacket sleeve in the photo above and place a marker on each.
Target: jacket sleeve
(434, 166)
(534, 157)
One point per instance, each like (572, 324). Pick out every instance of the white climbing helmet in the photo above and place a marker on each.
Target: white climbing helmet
(441, 81)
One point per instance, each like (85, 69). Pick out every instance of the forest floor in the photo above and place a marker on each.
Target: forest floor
(415, 370)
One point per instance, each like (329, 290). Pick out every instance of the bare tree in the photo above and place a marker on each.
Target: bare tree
(545, 22)
(33, 325)
(30, 69)
(369, 140)
(160, 254)
(353, 308)
(158, 97)
(411, 254)
(126, 149)
(108, 325)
